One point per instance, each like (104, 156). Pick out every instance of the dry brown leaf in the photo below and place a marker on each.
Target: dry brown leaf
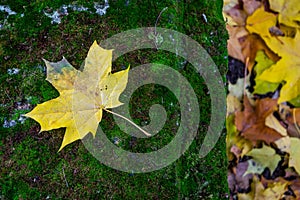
(251, 44)
(237, 15)
(251, 121)
(233, 45)
(292, 118)
(295, 186)
(251, 5)
(237, 145)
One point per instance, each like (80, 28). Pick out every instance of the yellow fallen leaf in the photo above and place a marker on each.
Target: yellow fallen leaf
(288, 11)
(83, 95)
(288, 48)
(257, 189)
(263, 155)
(291, 145)
(263, 63)
(273, 191)
(281, 73)
(260, 22)
(284, 144)
(294, 160)
(289, 51)
(273, 123)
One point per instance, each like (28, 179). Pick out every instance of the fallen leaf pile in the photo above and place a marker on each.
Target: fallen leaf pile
(83, 95)
(263, 104)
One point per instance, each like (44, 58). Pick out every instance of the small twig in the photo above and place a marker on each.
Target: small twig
(295, 122)
(163, 10)
(65, 177)
(146, 133)
(155, 26)
(8, 96)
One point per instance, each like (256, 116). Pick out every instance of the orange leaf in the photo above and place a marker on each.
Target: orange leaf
(251, 121)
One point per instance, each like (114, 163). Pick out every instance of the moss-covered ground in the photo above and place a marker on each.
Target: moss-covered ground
(31, 167)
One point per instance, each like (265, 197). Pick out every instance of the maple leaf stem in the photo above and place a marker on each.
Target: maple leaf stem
(65, 177)
(131, 122)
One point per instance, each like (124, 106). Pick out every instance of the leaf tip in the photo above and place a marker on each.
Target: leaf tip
(95, 42)
(61, 147)
(28, 115)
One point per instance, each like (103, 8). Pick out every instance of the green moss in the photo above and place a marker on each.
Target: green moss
(32, 168)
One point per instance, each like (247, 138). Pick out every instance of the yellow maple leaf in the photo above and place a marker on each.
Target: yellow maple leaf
(287, 48)
(260, 22)
(263, 63)
(287, 69)
(288, 11)
(83, 95)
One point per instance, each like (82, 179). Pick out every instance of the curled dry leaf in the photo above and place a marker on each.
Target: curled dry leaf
(237, 179)
(272, 122)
